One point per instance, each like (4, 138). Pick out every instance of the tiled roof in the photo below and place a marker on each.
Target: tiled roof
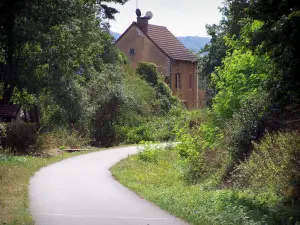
(9, 110)
(164, 39)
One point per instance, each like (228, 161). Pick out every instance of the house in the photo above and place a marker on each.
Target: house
(144, 42)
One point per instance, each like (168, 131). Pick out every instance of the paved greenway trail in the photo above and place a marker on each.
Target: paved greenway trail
(81, 191)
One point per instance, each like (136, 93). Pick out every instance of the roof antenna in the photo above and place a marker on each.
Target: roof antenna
(138, 11)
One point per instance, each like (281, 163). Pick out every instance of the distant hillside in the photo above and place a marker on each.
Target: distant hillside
(194, 43)
(115, 34)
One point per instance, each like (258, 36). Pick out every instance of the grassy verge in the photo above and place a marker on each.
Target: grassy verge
(161, 182)
(15, 172)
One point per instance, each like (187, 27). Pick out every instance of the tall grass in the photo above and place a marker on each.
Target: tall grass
(274, 166)
(163, 183)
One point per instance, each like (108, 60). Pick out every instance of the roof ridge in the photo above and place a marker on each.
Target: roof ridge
(156, 25)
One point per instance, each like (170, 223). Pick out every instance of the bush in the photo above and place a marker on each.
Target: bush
(58, 138)
(200, 159)
(164, 96)
(141, 94)
(246, 125)
(46, 142)
(152, 128)
(149, 153)
(117, 105)
(148, 72)
(208, 166)
(23, 138)
(20, 137)
(274, 166)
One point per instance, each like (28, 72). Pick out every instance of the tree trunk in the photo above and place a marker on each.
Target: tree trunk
(8, 90)
(8, 80)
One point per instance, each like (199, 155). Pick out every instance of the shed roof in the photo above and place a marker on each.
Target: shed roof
(9, 110)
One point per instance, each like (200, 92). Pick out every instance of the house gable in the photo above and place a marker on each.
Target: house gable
(145, 50)
(141, 33)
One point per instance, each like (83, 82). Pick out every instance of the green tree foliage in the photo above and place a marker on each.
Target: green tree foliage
(244, 74)
(252, 68)
(233, 12)
(65, 62)
(38, 25)
(281, 36)
(149, 72)
(151, 111)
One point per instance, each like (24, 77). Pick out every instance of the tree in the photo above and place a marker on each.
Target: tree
(28, 23)
(234, 13)
(281, 37)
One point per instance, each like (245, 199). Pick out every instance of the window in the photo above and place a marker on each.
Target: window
(191, 81)
(132, 51)
(177, 80)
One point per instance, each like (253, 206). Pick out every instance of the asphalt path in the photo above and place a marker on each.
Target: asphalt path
(82, 191)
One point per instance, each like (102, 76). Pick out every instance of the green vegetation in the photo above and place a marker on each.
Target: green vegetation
(15, 172)
(71, 79)
(162, 182)
(237, 161)
(58, 61)
(273, 166)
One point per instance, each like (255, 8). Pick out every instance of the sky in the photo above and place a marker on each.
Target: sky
(181, 17)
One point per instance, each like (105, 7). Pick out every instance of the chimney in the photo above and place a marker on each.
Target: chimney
(142, 23)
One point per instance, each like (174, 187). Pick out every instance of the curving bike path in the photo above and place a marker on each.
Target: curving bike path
(82, 191)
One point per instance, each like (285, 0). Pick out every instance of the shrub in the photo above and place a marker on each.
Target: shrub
(148, 72)
(141, 94)
(209, 165)
(164, 96)
(47, 142)
(188, 133)
(274, 166)
(152, 128)
(201, 160)
(60, 137)
(20, 137)
(246, 125)
(139, 133)
(149, 153)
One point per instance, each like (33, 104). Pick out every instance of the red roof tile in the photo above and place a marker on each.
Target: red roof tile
(166, 42)
(169, 43)
(9, 110)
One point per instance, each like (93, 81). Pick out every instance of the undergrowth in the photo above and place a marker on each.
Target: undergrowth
(163, 184)
(273, 166)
